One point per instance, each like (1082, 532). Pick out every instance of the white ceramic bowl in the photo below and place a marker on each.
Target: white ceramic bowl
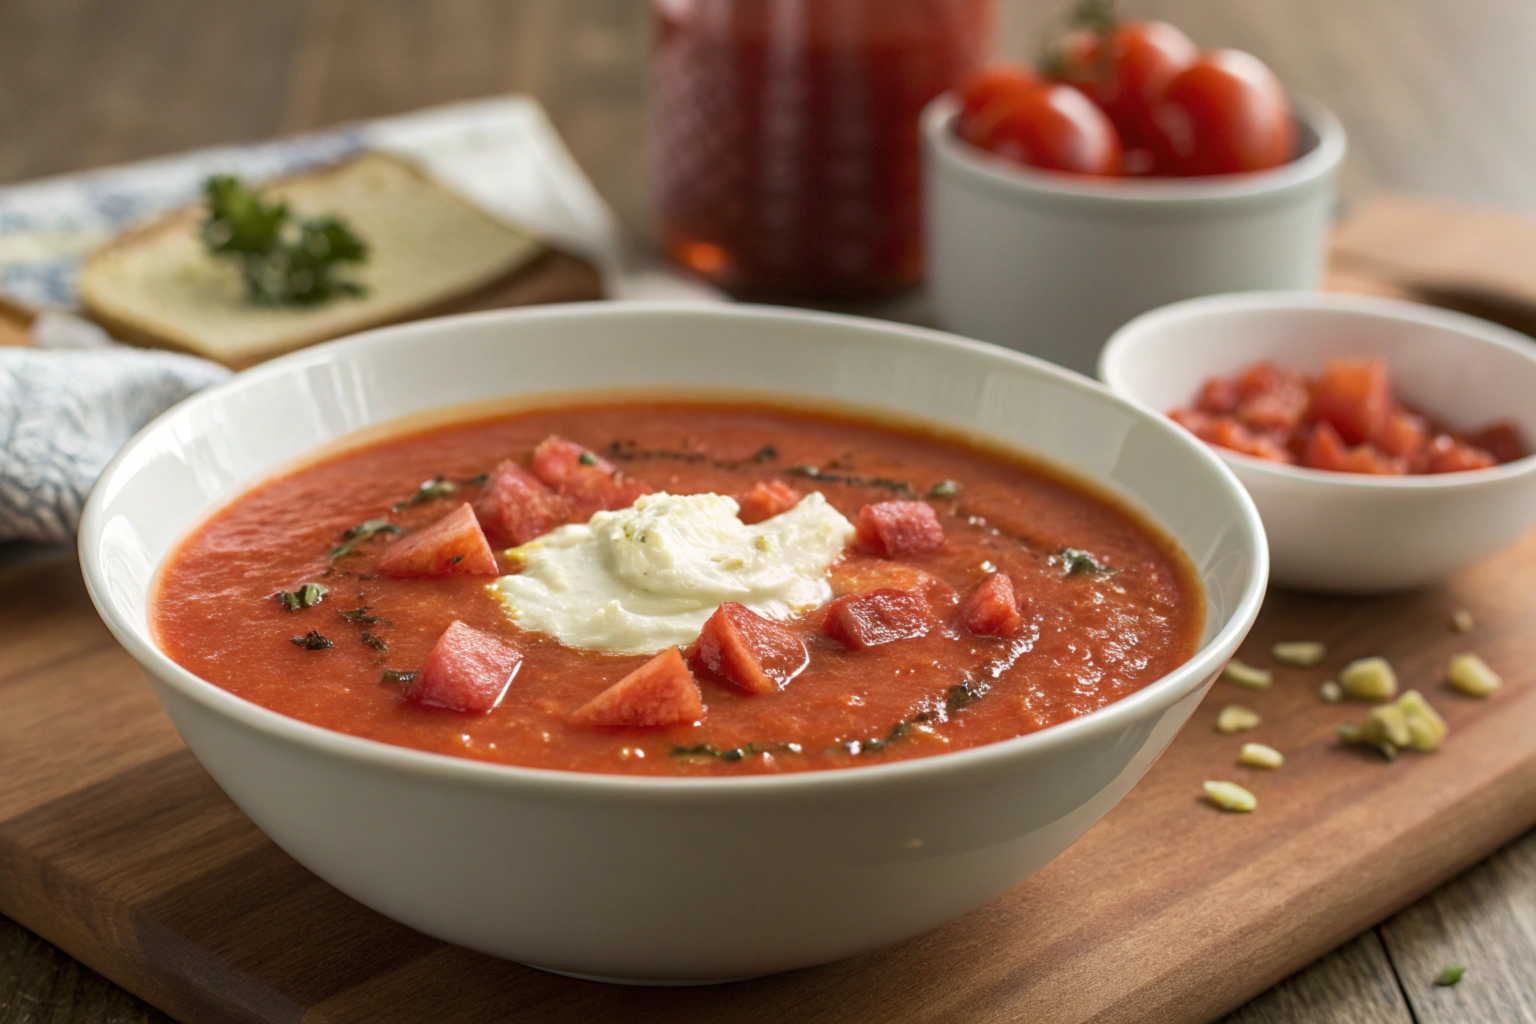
(1051, 264)
(644, 879)
(1347, 532)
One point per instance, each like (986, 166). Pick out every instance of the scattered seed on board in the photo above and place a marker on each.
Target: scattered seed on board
(1331, 692)
(1450, 975)
(1461, 621)
(1229, 796)
(1299, 653)
(1471, 675)
(1236, 718)
(1408, 722)
(1260, 756)
(1247, 676)
(1369, 679)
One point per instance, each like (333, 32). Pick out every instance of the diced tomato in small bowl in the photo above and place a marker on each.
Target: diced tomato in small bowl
(1411, 457)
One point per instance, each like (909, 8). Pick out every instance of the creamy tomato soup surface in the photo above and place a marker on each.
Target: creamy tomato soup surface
(677, 588)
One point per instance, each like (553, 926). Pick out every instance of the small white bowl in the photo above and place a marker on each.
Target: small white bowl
(662, 879)
(1347, 532)
(1051, 264)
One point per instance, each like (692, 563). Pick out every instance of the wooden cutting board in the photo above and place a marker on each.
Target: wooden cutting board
(118, 847)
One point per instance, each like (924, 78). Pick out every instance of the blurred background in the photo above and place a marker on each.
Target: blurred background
(1435, 96)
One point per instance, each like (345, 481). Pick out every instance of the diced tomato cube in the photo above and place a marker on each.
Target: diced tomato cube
(1197, 421)
(1448, 455)
(993, 609)
(749, 651)
(1219, 394)
(1326, 450)
(453, 544)
(856, 574)
(556, 459)
(586, 482)
(895, 529)
(1354, 396)
(515, 506)
(1258, 378)
(1502, 440)
(766, 499)
(876, 617)
(1280, 407)
(660, 692)
(1404, 434)
(1228, 433)
(467, 670)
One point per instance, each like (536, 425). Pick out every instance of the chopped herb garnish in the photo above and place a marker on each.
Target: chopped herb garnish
(375, 642)
(394, 677)
(360, 616)
(476, 480)
(1450, 975)
(883, 483)
(456, 559)
(362, 532)
(898, 730)
(430, 490)
(311, 641)
(1076, 562)
(767, 453)
(284, 260)
(587, 459)
(306, 596)
(734, 753)
(960, 696)
(944, 489)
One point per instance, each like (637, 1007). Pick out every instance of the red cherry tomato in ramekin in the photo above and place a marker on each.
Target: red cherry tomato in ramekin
(1224, 114)
(1144, 56)
(1054, 127)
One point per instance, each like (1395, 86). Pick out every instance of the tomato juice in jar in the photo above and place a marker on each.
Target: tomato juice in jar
(785, 136)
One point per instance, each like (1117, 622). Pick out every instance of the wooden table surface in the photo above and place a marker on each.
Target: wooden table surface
(1435, 96)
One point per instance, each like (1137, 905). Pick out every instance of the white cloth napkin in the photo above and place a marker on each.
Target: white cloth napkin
(66, 409)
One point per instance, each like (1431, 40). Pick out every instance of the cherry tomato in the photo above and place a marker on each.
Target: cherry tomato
(1143, 58)
(1224, 114)
(987, 97)
(1057, 128)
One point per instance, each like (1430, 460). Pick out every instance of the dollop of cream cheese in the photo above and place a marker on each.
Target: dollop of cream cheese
(647, 577)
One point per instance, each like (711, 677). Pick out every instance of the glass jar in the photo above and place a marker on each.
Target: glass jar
(785, 136)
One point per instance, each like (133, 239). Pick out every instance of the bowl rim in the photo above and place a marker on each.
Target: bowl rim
(1283, 303)
(981, 760)
(1033, 183)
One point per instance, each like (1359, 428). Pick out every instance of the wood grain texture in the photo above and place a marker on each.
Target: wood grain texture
(1354, 985)
(115, 845)
(1434, 97)
(1485, 921)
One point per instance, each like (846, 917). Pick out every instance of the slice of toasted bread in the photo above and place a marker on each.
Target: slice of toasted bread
(429, 250)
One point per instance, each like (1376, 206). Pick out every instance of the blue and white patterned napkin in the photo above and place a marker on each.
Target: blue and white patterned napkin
(64, 413)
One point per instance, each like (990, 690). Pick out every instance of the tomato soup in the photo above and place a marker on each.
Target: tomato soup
(911, 593)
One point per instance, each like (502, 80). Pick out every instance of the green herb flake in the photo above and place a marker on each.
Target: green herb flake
(881, 482)
(375, 642)
(1450, 975)
(284, 260)
(944, 489)
(306, 596)
(430, 490)
(1076, 562)
(476, 480)
(767, 453)
(311, 641)
(733, 754)
(363, 531)
(395, 677)
(587, 459)
(360, 616)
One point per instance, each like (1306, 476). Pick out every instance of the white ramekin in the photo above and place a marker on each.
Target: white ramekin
(657, 879)
(1348, 532)
(1051, 264)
